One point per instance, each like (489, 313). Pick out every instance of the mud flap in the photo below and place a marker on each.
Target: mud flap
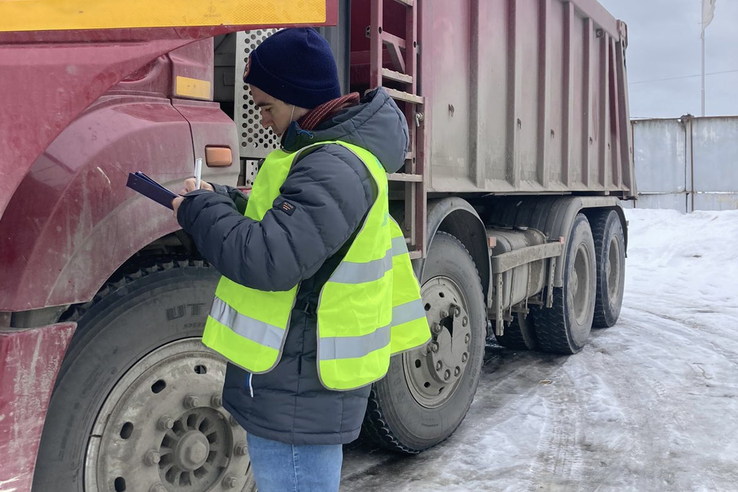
(30, 362)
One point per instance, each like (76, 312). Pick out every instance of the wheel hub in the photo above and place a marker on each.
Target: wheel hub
(195, 449)
(434, 371)
(191, 451)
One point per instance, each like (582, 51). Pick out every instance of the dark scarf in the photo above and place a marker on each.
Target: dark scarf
(319, 114)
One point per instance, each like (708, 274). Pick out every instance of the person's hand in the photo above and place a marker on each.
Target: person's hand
(176, 202)
(189, 185)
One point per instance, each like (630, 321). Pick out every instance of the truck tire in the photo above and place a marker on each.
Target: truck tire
(610, 253)
(427, 392)
(137, 404)
(520, 335)
(565, 327)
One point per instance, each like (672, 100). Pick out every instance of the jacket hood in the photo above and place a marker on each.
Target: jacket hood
(375, 124)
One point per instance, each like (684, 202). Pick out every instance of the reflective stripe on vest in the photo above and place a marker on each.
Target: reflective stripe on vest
(249, 328)
(352, 347)
(410, 311)
(409, 324)
(369, 308)
(349, 272)
(399, 246)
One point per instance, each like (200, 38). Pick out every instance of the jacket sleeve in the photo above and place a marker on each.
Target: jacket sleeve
(239, 199)
(321, 204)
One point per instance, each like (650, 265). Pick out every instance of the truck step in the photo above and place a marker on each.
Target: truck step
(396, 76)
(412, 178)
(405, 96)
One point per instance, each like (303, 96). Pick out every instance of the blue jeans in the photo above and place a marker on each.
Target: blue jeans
(280, 467)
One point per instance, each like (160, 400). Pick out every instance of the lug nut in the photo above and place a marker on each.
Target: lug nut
(191, 401)
(152, 458)
(165, 423)
(216, 401)
(464, 356)
(434, 347)
(464, 321)
(439, 365)
(230, 482)
(457, 311)
(232, 421)
(467, 338)
(447, 375)
(241, 449)
(444, 314)
(457, 371)
(436, 328)
(157, 487)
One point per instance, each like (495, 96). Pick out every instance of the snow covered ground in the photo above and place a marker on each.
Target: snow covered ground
(650, 404)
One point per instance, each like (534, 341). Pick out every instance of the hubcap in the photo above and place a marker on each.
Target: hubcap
(433, 372)
(162, 428)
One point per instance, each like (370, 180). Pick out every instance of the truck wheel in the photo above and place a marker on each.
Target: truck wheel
(610, 253)
(427, 392)
(137, 405)
(565, 327)
(520, 335)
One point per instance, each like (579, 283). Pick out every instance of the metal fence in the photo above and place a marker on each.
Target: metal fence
(687, 163)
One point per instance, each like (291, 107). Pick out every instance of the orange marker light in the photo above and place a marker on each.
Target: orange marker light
(218, 156)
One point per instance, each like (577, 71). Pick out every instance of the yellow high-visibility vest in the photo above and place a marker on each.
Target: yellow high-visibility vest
(369, 309)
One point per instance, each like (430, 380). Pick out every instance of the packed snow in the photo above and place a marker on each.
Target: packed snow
(650, 404)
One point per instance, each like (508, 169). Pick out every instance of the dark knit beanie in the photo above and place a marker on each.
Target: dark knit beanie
(295, 66)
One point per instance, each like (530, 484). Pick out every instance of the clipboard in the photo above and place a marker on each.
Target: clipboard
(149, 188)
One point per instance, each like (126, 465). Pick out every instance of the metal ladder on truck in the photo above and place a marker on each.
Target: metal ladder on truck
(403, 53)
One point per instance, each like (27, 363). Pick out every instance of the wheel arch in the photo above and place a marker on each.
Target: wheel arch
(457, 217)
(80, 221)
(176, 244)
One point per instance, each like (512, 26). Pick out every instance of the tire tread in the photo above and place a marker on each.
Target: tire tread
(554, 337)
(599, 230)
(376, 430)
(120, 280)
(552, 330)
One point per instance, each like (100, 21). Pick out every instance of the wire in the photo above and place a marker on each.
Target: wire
(682, 77)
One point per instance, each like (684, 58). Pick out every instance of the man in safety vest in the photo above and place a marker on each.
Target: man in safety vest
(317, 290)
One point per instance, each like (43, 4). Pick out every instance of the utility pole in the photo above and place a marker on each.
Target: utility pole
(703, 64)
(708, 12)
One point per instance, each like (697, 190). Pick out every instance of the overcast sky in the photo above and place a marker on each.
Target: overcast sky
(664, 43)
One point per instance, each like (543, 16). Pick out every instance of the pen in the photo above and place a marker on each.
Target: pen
(198, 172)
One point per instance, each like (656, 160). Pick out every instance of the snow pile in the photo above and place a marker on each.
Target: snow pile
(689, 260)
